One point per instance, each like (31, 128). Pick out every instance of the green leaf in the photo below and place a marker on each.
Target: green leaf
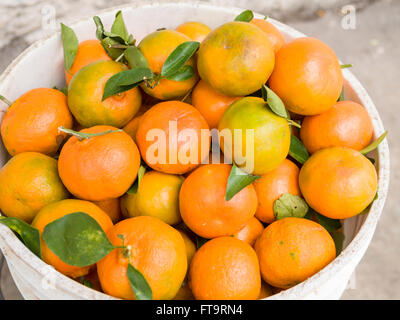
(274, 102)
(139, 284)
(289, 205)
(99, 28)
(245, 16)
(119, 28)
(374, 144)
(133, 189)
(184, 73)
(88, 283)
(29, 235)
(179, 57)
(345, 66)
(329, 224)
(297, 150)
(237, 181)
(200, 241)
(85, 135)
(70, 45)
(338, 238)
(108, 44)
(5, 100)
(341, 97)
(77, 239)
(126, 80)
(135, 58)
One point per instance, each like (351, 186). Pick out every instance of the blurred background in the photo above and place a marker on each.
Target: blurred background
(364, 33)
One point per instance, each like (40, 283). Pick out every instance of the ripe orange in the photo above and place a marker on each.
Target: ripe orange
(291, 250)
(225, 268)
(190, 246)
(346, 124)
(111, 207)
(307, 76)
(204, 208)
(168, 151)
(89, 51)
(57, 210)
(101, 167)
(132, 126)
(210, 103)
(274, 35)
(156, 249)
(284, 179)
(236, 59)
(156, 47)
(196, 31)
(263, 138)
(250, 232)
(31, 122)
(28, 182)
(338, 182)
(85, 95)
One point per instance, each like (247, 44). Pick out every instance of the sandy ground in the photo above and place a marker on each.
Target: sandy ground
(372, 47)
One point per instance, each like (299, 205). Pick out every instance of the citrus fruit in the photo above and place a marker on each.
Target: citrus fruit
(236, 59)
(291, 250)
(28, 182)
(264, 138)
(111, 207)
(283, 179)
(57, 210)
(346, 124)
(101, 167)
(132, 126)
(196, 31)
(31, 122)
(89, 51)
(338, 182)
(85, 94)
(204, 208)
(169, 137)
(156, 47)
(210, 103)
(274, 35)
(190, 246)
(307, 76)
(154, 248)
(250, 232)
(184, 292)
(225, 268)
(157, 196)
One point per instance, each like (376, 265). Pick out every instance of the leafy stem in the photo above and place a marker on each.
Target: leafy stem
(84, 135)
(5, 100)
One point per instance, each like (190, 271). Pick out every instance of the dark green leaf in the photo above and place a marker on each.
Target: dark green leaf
(99, 28)
(135, 58)
(297, 150)
(108, 44)
(119, 28)
(77, 239)
(126, 80)
(117, 38)
(70, 45)
(133, 189)
(184, 73)
(179, 57)
(245, 16)
(289, 205)
(374, 144)
(200, 241)
(345, 66)
(139, 284)
(341, 97)
(338, 239)
(329, 224)
(274, 102)
(29, 235)
(237, 181)
(87, 283)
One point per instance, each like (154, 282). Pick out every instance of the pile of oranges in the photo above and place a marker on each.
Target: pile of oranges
(131, 145)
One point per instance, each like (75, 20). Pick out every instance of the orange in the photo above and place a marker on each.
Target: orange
(250, 232)
(28, 182)
(236, 58)
(170, 139)
(225, 268)
(31, 122)
(346, 124)
(196, 31)
(338, 182)
(132, 126)
(111, 207)
(190, 246)
(210, 103)
(57, 210)
(101, 167)
(262, 137)
(85, 95)
(89, 51)
(291, 250)
(266, 291)
(284, 179)
(204, 208)
(307, 76)
(156, 250)
(274, 35)
(156, 47)
(157, 196)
